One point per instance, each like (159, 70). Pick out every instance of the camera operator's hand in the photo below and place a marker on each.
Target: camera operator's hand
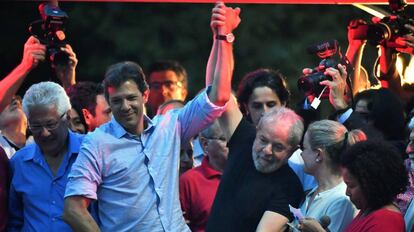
(337, 86)
(224, 19)
(406, 42)
(33, 53)
(66, 73)
(353, 33)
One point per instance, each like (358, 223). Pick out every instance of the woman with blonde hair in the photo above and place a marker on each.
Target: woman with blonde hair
(323, 145)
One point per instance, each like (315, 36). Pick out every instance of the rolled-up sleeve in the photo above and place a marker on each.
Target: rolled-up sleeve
(85, 175)
(198, 114)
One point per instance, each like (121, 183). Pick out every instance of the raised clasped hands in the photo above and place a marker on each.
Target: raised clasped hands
(224, 19)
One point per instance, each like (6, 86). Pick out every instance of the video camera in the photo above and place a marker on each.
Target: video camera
(331, 56)
(50, 30)
(388, 29)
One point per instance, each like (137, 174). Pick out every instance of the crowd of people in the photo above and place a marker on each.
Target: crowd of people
(133, 154)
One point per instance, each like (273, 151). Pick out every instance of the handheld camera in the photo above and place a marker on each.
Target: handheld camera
(388, 29)
(50, 30)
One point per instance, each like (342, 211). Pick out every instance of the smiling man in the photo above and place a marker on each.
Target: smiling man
(258, 185)
(130, 165)
(39, 170)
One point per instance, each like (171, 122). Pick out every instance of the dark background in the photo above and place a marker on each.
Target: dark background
(271, 36)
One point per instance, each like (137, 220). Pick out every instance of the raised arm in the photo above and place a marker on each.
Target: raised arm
(221, 84)
(354, 55)
(77, 216)
(226, 17)
(33, 53)
(66, 73)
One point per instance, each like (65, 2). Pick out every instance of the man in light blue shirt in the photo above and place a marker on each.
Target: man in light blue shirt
(39, 170)
(130, 164)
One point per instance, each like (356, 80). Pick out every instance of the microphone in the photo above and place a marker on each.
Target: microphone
(325, 221)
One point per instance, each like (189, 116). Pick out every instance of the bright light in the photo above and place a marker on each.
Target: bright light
(408, 77)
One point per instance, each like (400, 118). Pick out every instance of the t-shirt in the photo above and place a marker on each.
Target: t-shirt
(379, 220)
(245, 194)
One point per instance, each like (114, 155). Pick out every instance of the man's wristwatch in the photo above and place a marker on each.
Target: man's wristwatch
(229, 38)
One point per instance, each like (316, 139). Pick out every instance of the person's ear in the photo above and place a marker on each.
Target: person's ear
(320, 155)
(184, 93)
(203, 143)
(246, 109)
(145, 96)
(87, 116)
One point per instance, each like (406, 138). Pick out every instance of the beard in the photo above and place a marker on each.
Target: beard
(262, 165)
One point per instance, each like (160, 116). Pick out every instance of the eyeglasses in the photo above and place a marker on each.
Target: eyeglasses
(49, 126)
(219, 139)
(168, 84)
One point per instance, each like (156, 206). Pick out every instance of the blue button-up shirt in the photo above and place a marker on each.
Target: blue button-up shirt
(36, 196)
(135, 178)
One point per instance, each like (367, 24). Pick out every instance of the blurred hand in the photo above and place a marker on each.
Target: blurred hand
(33, 53)
(406, 42)
(66, 72)
(337, 86)
(310, 225)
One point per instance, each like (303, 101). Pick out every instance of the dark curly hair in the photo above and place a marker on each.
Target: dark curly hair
(379, 169)
(262, 78)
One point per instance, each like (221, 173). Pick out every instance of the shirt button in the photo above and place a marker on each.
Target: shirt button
(53, 202)
(54, 182)
(53, 219)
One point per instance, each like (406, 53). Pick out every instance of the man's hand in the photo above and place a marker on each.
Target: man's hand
(337, 86)
(66, 73)
(33, 53)
(310, 225)
(224, 19)
(406, 42)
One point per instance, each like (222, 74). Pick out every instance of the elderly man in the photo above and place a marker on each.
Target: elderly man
(198, 186)
(39, 170)
(130, 165)
(258, 185)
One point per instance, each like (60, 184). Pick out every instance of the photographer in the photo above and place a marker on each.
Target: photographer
(35, 52)
(13, 122)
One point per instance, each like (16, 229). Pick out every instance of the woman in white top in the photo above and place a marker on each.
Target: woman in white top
(323, 144)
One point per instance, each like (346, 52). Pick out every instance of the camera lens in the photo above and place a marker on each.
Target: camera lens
(378, 33)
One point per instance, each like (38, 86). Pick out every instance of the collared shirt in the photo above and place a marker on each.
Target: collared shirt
(135, 178)
(36, 196)
(198, 187)
(7, 146)
(409, 217)
(332, 203)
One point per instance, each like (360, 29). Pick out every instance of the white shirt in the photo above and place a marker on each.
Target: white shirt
(332, 203)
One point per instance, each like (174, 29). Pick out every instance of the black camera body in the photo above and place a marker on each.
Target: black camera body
(388, 29)
(331, 56)
(50, 31)
(309, 84)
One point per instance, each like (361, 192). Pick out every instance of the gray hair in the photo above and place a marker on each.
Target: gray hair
(211, 131)
(289, 118)
(330, 135)
(46, 94)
